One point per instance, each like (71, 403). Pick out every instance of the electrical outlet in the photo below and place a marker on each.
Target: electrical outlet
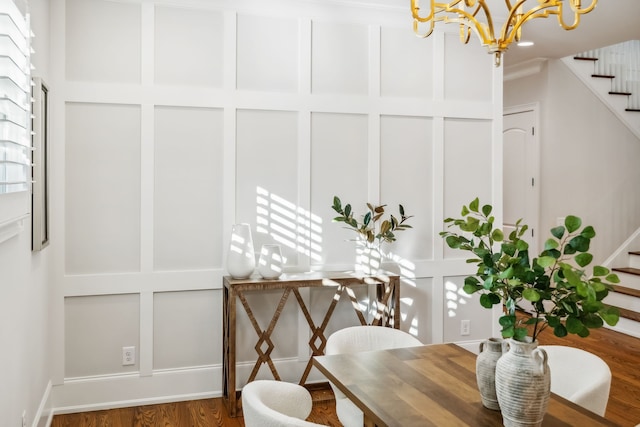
(465, 327)
(128, 356)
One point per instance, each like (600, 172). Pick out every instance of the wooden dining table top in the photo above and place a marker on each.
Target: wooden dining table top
(431, 385)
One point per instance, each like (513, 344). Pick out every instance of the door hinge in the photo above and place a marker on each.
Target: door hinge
(533, 130)
(533, 182)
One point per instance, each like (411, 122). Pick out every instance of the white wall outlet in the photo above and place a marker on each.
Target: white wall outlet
(465, 327)
(128, 356)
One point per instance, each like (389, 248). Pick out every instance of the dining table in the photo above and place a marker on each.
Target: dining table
(430, 385)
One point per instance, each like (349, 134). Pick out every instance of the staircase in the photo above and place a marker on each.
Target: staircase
(626, 295)
(613, 73)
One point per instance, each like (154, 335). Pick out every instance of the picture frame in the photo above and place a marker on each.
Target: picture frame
(40, 165)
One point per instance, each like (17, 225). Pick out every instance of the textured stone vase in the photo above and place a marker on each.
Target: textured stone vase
(241, 259)
(490, 352)
(523, 384)
(270, 262)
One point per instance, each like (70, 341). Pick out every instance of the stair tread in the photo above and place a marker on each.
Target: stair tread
(628, 270)
(631, 109)
(629, 314)
(634, 252)
(603, 76)
(620, 93)
(626, 291)
(582, 58)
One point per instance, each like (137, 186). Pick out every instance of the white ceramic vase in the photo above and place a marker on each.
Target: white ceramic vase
(270, 263)
(369, 259)
(523, 384)
(241, 258)
(490, 352)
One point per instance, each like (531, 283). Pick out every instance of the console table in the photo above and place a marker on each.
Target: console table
(387, 314)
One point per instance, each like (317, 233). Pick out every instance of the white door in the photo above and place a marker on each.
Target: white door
(520, 174)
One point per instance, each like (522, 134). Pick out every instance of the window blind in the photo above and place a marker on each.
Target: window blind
(15, 99)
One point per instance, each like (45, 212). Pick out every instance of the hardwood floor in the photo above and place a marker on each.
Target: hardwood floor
(194, 413)
(621, 352)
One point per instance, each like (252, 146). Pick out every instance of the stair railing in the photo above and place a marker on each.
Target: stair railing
(621, 64)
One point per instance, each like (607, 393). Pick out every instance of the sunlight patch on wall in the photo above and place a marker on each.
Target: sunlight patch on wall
(288, 224)
(413, 329)
(455, 297)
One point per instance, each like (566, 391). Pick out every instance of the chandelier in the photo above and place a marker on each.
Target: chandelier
(475, 15)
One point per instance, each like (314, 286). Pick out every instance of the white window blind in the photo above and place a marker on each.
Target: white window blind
(15, 99)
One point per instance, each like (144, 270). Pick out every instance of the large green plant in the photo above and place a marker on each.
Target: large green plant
(562, 295)
(373, 227)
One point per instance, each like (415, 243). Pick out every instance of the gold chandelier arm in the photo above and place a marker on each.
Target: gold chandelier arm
(577, 11)
(576, 6)
(415, 12)
(487, 13)
(453, 14)
(416, 29)
(542, 11)
(576, 19)
(465, 34)
(434, 8)
(512, 26)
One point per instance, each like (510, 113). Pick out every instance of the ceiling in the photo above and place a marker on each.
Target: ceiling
(611, 22)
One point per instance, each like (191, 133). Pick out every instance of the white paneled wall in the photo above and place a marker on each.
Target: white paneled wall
(176, 343)
(268, 55)
(402, 50)
(339, 166)
(188, 47)
(266, 174)
(94, 50)
(100, 327)
(346, 44)
(102, 185)
(187, 188)
(178, 119)
(409, 177)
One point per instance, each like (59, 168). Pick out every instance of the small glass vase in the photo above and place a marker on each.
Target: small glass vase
(270, 262)
(241, 258)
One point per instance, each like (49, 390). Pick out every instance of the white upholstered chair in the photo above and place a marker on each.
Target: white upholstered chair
(269, 403)
(579, 376)
(362, 338)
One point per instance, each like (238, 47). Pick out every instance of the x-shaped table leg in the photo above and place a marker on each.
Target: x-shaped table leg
(264, 336)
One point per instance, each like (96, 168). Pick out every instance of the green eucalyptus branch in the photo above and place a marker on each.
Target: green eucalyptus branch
(561, 293)
(371, 229)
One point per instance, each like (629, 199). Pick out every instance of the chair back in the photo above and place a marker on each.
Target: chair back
(356, 339)
(579, 376)
(270, 403)
(368, 338)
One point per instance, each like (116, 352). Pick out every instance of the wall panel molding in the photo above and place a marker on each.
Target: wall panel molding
(345, 136)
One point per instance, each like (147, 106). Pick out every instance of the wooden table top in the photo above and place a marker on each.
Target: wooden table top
(311, 279)
(432, 385)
